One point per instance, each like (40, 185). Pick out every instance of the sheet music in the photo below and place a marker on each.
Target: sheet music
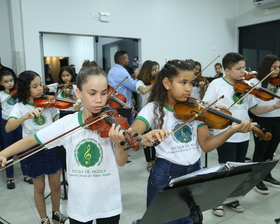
(207, 170)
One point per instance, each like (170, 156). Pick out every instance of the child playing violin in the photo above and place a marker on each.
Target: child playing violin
(92, 171)
(66, 75)
(235, 148)
(8, 100)
(199, 85)
(174, 83)
(218, 69)
(146, 78)
(42, 163)
(264, 150)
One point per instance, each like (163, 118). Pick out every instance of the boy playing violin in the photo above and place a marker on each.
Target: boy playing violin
(235, 148)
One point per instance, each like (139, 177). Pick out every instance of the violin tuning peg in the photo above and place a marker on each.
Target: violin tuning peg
(122, 143)
(138, 139)
(135, 135)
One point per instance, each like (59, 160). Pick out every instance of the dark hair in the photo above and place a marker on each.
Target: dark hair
(88, 63)
(191, 62)
(265, 68)
(145, 72)
(232, 58)
(6, 73)
(24, 80)
(86, 72)
(218, 64)
(118, 57)
(67, 69)
(158, 93)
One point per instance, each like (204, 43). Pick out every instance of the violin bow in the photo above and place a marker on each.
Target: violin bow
(50, 142)
(208, 65)
(190, 119)
(115, 89)
(250, 90)
(54, 97)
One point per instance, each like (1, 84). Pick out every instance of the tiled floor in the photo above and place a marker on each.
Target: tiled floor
(17, 206)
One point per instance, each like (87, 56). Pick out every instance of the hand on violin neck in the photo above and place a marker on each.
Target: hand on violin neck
(244, 127)
(77, 106)
(116, 134)
(154, 137)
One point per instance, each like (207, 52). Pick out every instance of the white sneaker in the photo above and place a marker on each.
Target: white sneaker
(128, 162)
(218, 211)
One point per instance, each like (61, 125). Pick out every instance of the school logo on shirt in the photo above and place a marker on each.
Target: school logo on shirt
(64, 95)
(274, 90)
(89, 153)
(11, 101)
(41, 120)
(184, 134)
(236, 97)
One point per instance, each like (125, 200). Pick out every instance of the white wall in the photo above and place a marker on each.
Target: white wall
(167, 29)
(6, 50)
(249, 14)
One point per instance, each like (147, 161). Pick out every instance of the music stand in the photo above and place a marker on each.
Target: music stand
(125, 112)
(189, 196)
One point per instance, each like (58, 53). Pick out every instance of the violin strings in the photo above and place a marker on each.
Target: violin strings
(250, 90)
(54, 98)
(52, 142)
(195, 116)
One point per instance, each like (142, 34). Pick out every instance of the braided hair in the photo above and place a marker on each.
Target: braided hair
(159, 93)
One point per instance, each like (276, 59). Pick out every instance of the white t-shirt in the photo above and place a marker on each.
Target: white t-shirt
(143, 98)
(31, 126)
(92, 172)
(53, 88)
(275, 90)
(181, 147)
(8, 105)
(219, 87)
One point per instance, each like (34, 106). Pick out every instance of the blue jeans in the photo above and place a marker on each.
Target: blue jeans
(10, 138)
(161, 174)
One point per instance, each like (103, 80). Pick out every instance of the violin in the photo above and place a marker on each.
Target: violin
(117, 100)
(112, 117)
(249, 76)
(66, 86)
(275, 81)
(244, 87)
(152, 81)
(220, 75)
(214, 118)
(199, 79)
(48, 101)
(92, 123)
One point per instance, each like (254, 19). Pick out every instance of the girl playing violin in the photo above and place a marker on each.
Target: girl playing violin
(180, 153)
(146, 78)
(8, 101)
(66, 75)
(264, 150)
(199, 84)
(218, 69)
(44, 162)
(92, 171)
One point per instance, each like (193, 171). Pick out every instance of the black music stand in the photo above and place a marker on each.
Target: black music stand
(125, 112)
(200, 191)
